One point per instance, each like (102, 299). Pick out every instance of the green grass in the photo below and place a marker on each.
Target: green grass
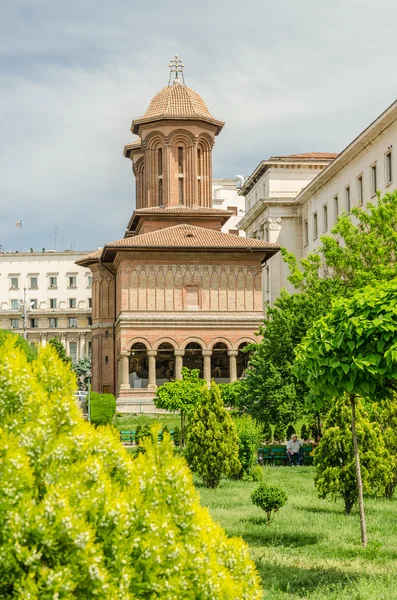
(132, 420)
(312, 551)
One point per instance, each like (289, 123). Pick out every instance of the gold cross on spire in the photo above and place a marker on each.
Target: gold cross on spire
(176, 66)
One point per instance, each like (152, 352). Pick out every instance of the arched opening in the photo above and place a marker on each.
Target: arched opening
(193, 358)
(138, 366)
(220, 363)
(242, 360)
(165, 363)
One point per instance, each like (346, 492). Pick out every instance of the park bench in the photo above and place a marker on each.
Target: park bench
(277, 455)
(127, 436)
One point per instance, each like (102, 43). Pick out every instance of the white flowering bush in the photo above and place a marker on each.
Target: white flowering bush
(80, 519)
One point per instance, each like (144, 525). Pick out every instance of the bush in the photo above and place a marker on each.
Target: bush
(138, 434)
(267, 433)
(255, 474)
(304, 432)
(334, 456)
(269, 498)
(249, 434)
(279, 433)
(212, 448)
(386, 416)
(102, 408)
(20, 342)
(290, 431)
(80, 519)
(177, 436)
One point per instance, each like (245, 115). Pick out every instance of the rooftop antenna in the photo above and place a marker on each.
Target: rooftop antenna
(176, 66)
(56, 229)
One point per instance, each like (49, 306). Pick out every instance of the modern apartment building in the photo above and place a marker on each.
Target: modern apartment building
(45, 294)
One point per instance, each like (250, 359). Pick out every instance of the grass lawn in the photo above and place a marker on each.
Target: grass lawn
(131, 420)
(311, 550)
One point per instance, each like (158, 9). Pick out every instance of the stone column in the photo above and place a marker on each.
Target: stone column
(233, 364)
(152, 369)
(63, 340)
(207, 365)
(82, 345)
(43, 337)
(125, 382)
(179, 354)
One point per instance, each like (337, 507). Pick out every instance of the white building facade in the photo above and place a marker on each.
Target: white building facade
(225, 195)
(44, 295)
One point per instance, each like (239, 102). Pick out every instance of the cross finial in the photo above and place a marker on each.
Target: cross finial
(176, 66)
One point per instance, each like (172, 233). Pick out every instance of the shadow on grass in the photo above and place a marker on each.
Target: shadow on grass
(267, 536)
(299, 580)
(322, 510)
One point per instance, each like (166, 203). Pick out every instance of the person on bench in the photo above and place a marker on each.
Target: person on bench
(294, 451)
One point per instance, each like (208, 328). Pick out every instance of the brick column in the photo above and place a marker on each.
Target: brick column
(179, 354)
(233, 364)
(125, 380)
(207, 365)
(152, 369)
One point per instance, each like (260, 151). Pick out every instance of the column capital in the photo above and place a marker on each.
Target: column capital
(179, 352)
(232, 352)
(207, 352)
(152, 352)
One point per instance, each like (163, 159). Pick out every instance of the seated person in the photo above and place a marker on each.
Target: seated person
(294, 450)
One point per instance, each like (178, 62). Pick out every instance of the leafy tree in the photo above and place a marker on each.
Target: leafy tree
(102, 408)
(353, 350)
(181, 395)
(249, 434)
(80, 519)
(30, 351)
(269, 498)
(334, 456)
(212, 448)
(267, 432)
(279, 433)
(60, 350)
(234, 394)
(83, 372)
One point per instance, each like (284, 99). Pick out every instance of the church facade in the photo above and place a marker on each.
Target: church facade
(175, 291)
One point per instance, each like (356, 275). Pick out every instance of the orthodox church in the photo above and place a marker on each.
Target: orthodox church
(175, 291)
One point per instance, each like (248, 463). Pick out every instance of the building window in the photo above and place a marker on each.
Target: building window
(53, 303)
(267, 281)
(34, 323)
(89, 321)
(360, 194)
(106, 359)
(336, 207)
(89, 349)
(180, 175)
(14, 304)
(388, 168)
(72, 282)
(73, 351)
(347, 197)
(72, 302)
(14, 323)
(306, 232)
(53, 323)
(34, 283)
(325, 217)
(315, 226)
(373, 175)
(89, 302)
(33, 303)
(180, 160)
(72, 322)
(89, 281)
(53, 282)
(14, 283)
(181, 199)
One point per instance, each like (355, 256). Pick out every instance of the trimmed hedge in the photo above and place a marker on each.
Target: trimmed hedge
(102, 408)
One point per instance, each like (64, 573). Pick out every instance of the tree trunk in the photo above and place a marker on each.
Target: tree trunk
(319, 425)
(182, 440)
(364, 539)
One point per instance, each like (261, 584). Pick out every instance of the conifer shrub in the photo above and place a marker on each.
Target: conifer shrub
(80, 519)
(212, 448)
(138, 434)
(267, 434)
(269, 498)
(386, 415)
(334, 456)
(290, 431)
(60, 350)
(255, 474)
(279, 433)
(304, 432)
(102, 408)
(177, 436)
(249, 434)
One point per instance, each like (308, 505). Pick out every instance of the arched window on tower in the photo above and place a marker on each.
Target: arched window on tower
(160, 175)
(181, 175)
(199, 172)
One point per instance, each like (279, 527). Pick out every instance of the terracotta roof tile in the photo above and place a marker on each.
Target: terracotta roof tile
(189, 236)
(177, 100)
(92, 256)
(201, 210)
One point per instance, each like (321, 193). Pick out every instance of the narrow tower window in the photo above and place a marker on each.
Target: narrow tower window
(180, 175)
(181, 191)
(160, 175)
(160, 161)
(180, 161)
(199, 173)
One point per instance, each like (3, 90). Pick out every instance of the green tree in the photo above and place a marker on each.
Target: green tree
(269, 498)
(279, 433)
(304, 432)
(353, 350)
(60, 350)
(80, 519)
(334, 456)
(102, 408)
(212, 447)
(234, 394)
(249, 434)
(30, 351)
(181, 395)
(385, 414)
(83, 372)
(267, 432)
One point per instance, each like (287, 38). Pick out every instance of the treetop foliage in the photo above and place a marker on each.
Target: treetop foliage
(182, 394)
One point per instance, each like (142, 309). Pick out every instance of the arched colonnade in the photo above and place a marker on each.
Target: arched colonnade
(145, 367)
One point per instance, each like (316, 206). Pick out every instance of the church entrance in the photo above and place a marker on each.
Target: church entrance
(193, 358)
(242, 360)
(138, 366)
(165, 364)
(220, 363)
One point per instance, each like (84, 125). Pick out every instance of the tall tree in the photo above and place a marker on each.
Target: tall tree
(60, 350)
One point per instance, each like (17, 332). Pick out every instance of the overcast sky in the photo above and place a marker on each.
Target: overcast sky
(287, 77)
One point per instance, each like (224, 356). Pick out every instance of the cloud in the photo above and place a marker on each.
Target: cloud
(298, 76)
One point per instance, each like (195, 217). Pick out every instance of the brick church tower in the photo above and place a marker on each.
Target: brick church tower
(175, 291)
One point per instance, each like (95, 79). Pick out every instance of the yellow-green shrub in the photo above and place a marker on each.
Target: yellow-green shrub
(80, 519)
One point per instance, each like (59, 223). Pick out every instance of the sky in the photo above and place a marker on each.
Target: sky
(287, 77)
